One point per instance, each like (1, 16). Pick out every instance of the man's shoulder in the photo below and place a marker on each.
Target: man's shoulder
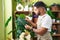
(47, 16)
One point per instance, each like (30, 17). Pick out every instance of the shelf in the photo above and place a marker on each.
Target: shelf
(56, 11)
(57, 23)
(58, 35)
(23, 12)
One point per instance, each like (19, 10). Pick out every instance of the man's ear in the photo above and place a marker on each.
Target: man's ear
(44, 9)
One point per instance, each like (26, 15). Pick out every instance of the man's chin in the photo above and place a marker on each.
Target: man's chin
(38, 13)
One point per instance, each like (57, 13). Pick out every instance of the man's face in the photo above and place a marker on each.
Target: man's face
(39, 10)
(36, 10)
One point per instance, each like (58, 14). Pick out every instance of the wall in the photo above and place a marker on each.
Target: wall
(49, 2)
(2, 36)
(8, 13)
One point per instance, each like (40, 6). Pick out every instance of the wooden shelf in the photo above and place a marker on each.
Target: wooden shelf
(57, 23)
(58, 35)
(22, 12)
(56, 11)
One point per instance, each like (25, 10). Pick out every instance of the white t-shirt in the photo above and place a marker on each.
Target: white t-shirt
(44, 21)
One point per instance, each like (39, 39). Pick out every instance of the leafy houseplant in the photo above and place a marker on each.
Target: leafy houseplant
(20, 23)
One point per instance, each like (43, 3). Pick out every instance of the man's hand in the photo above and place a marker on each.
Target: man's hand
(27, 19)
(33, 24)
(27, 27)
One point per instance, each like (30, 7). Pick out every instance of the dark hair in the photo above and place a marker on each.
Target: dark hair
(40, 4)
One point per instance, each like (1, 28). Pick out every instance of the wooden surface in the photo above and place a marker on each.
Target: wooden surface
(58, 35)
(22, 12)
(56, 23)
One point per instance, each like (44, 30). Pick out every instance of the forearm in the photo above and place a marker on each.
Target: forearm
(33, 24)
(40, 31)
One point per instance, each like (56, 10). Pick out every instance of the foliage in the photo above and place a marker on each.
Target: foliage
(7, 22)
(27, 2)
(23, 2)
(31, 4)
(21, 16)
(9, 19)
(20, 23)
(49, 12)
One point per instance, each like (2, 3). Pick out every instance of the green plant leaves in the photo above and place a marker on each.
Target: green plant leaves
(49, 12)
(20, 25)
(9, 19)
(21, 16)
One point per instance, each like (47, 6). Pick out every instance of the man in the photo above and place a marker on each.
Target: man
(43, 24)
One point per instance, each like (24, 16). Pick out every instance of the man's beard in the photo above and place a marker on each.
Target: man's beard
(39, 13)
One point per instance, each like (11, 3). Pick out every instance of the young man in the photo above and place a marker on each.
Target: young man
(43, 24)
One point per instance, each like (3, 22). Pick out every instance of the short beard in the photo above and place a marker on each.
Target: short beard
(39, 13)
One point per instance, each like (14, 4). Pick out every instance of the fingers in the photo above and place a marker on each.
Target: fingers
(34, 30)
(26, 19)
(27, 26)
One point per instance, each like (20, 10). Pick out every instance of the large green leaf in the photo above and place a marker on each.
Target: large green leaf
(20, 23)
(9, 19)
(49, 12)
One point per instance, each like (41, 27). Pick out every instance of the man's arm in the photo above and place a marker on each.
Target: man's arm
(33, 24)
(45, 26)
(40, 31)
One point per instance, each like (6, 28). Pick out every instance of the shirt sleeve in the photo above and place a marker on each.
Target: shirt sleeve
(47, 23)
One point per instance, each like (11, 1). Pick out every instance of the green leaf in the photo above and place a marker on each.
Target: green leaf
(20, 23)
(9, 19)
(10, 32)
(52, 15)
(21, 16)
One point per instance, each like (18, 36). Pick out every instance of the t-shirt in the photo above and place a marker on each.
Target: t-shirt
(44, 21)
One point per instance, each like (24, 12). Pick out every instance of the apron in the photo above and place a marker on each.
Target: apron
(46, 36)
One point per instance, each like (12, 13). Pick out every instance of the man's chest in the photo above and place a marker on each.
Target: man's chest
(39, 22)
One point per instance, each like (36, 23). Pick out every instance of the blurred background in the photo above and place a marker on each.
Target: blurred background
(9, 8)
